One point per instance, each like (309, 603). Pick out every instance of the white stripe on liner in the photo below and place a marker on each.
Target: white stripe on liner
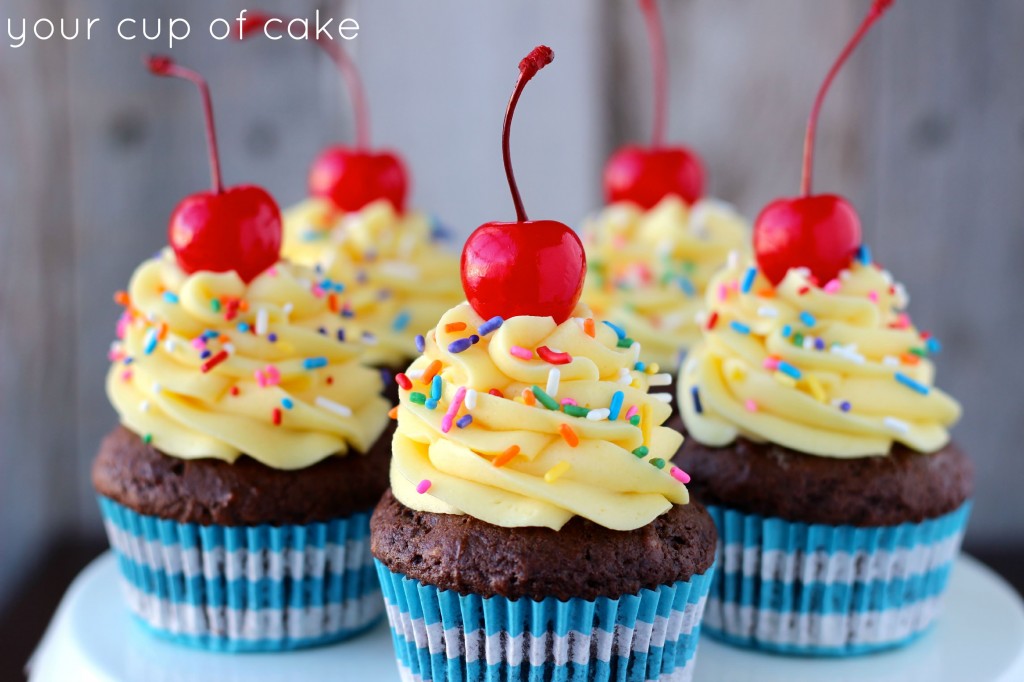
(822, 630)
(683, 674)
(252, 624)
(576, 646)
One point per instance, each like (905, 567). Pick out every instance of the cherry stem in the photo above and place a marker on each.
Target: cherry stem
(659, 68)
(538, 58)
(878, 8)
(257, 22)
(160, 65)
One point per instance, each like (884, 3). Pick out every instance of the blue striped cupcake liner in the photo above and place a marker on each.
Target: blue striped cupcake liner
(246, 588)
(442, 636)
(820, 590)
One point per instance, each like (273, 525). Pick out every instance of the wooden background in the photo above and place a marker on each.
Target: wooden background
(924, 132)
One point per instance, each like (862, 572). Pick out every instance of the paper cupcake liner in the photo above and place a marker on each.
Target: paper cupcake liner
(442, 636)
(246, 588)
(819, 590)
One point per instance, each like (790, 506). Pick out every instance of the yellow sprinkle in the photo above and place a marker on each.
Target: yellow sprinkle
(645, 423)
(556, 471)
(653, 368)
(736, 372)
(815, 387)
(785, 379)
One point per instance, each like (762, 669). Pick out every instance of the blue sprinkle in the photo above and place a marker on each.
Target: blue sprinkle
(205, 354)
(128, 360)
(740, 327)
(322, 330)
(272, 337)
(341, 335)
(369, 337)
(314, 363)
(150, 342)
(435, 387)
(696, 400)
(474, 339)
(789, 370)
(864, 255)
(619, 331)
(491, 325)
(639, 366)
(287, 403)
(243, 327)
(464, 421)
(170, 297)
(933, 345)
(786, 331)
(386, 376)
(807, 319)
(912, 383)
(845, 406)
(326, 283)
(338, 287)
(616, 406)
(687, 286)
(421, 343)
(430, 404)
(210, 334)
(401, 321)
(347, 312)
(819, 343)
(459, 345)
(748, 280)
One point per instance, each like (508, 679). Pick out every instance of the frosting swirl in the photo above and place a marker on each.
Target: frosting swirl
(207, 366)
(397, 280)
(532, 424)
(648, 270)
(837, 370)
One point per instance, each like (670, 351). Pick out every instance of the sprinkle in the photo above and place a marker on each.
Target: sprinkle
(507, 456)
(897, 425)
(660, 380)
(635, 420)
(786, 331)
(787, 381)
(528, 397)
(464, 421)
(393, 412)
(845, 405)
(423, 486)
(490, 325)
(712, 319)
(575, 410)
(272, 337)
(873, 296)
(214, 361)
(401, 321)
(789, 370)
(662, 397)
(807, 318)
(149, 342)
(616, 405)
(121, 298)
(748, 280)
(420, 343)
(436, 386)
(933, 345)
(235, 390)
(314, 363)
(697, 406)
(639, 367)
(170, 297)
(126, 375)
(632, 411)
(521, 353)
(619, 331)
(460, 345)
(751, 405)
(554, 376)
(144, 406)
(641, 451)
(833, 286)
(588, 327)
(909, 359)
(431, 371)
(891, 361)
(287, 403)
(657, 462)
(403, 381)
(911, 383)
(453, 409)
(679, 475)
(275, 416)
(625, 377)
(625, 343)
(645, 423)
(599, 414)
(148, 438)
(545, 399)
(417, 398)
(555, 472)
(331, 406)
(803, 290)
(496, 392)
(568, 435)
(687, 286)
(767, 311)
(471, 399)
(454, 327)
(553, 357)
(243, 327)
(262, 320)
(739, 327)
(815, 387)
(864, 255)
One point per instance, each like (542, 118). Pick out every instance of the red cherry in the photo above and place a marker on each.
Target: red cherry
(238, 228)
(529, 267)
(645, 176)
(350, 177)
(819, 232)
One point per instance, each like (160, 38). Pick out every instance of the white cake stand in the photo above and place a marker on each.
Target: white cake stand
(980, 638)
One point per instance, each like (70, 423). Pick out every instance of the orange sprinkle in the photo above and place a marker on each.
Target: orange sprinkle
(909, 359)
(432, 369)
(235, 390)
(505, 457)
(122, 298)
(766, 293)
(454, 327)
(243, 305)
(588, 326)
(529, 398)
(224, 338)
(162, 333)
(393, 412)
(569, 435)
(332, 303)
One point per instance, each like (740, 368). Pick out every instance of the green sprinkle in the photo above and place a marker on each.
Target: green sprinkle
(798, 339)
(215, 304)
(658, 462)
(641, 451)
(418, 398)
(544, 399)
(635, 420)
(625, 342)
(575, 410)
(689, 267)
(919, 352)
(148, 438)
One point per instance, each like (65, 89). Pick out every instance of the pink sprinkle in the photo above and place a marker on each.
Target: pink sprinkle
(771, 363)
(873, 296)
(832, 287)
(521, 353)
(122, 326)
(569, 401)
(273, 376)
(902, 321)
(453, 409)
(261, 379)
(680, 475)
(199, 343)
(272, 271)
(632, 412)
(723, 292)
(317, 290)
(126, 375)
(750, 405)
(424, 485)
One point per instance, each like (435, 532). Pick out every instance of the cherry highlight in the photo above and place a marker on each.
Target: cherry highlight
(538, 58)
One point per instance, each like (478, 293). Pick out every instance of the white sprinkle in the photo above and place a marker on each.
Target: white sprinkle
(636, 351)
(897, 425)
(229, 347)
(331, 406)
(470, 400)
(261, 322)
(887, 276)
(849, 352)
(663, 379)
(115, 346)
(891, 361)
(844, 275)
(157, 387)
(144, 406)
(554, 376)
(902, 297)
(369, 339)
(808, 343)
(171, 345)
(733, 259)
(701, 318)
(288, 308)
(803, 272)
(662, 397)
(598, 414)
(625, 377)
(767, 311)
(151, 317)
(414, 374)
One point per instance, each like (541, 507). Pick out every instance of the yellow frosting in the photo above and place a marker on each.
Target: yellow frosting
(855, 377)
(277, 362)
(397, 280)
(648, 270)
(605, 476)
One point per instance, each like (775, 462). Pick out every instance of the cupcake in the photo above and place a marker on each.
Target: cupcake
(388, 265)
(534, 528)
(236, 491)
(819, 442)
(652, 250)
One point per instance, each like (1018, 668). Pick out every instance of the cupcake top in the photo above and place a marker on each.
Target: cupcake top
(206, 365)
(525, 422)
(837, 370)
(395, 279)
(648, 270)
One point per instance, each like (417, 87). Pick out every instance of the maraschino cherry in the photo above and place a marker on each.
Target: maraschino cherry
(529, 267)
(350, 177)
(238, 228)
(645, 176)
(819, 232)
